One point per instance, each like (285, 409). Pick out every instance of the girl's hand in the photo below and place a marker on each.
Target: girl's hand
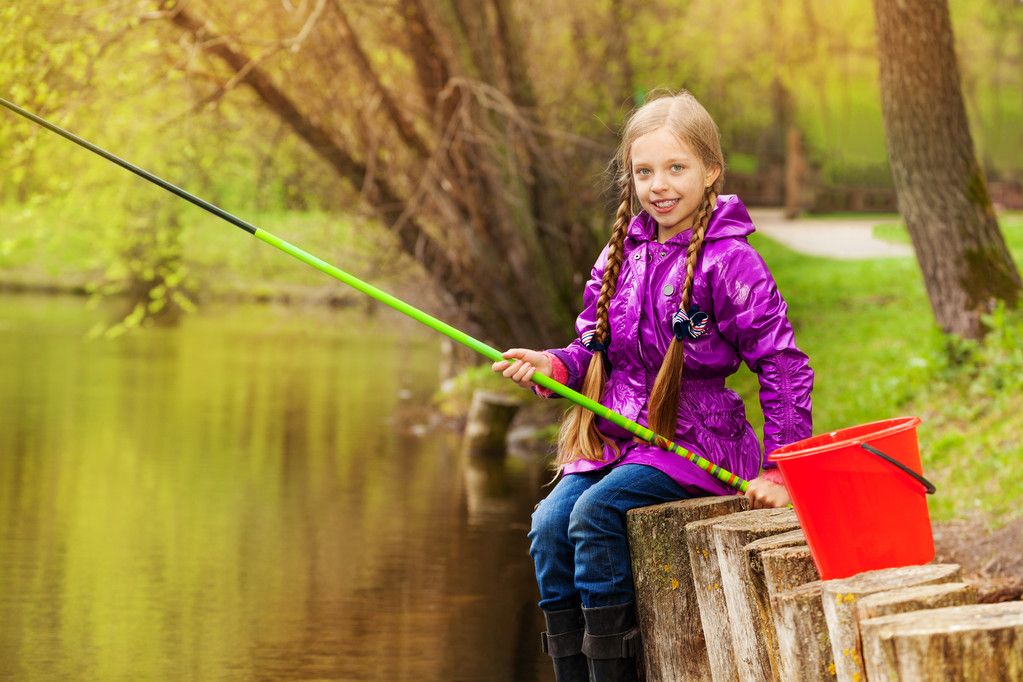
(521, 364)
(764, 493)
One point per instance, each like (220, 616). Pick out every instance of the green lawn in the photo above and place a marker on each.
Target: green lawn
(869, 332)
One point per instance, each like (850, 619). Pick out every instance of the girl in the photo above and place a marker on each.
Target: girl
(675, 301)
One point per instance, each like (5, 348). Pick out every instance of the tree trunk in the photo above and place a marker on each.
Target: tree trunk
(460, 169)
(941, 189)
(870, 612)
(976, 643)
(804, 648)
(840, 597)
(674, 647)
(753, 663)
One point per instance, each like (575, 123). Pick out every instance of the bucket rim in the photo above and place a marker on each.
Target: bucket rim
(891, 426)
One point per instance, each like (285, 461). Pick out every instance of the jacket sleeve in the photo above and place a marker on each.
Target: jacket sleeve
(752, 316)
(575, 356)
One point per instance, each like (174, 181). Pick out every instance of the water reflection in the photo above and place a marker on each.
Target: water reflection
(242, 497)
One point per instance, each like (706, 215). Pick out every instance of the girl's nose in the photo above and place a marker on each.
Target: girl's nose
(659, 184)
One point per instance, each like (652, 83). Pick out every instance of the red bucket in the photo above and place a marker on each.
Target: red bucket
(860, 498)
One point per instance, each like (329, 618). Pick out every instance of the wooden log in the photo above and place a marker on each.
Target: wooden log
(710, 596)
(975, 643)
(804, 649)
(787, 568)
(870, 612)
(840, 597)
(752, 660)
(486, 429)
(790, 565)
(674, 647)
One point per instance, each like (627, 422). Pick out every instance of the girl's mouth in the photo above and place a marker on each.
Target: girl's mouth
(665, 205)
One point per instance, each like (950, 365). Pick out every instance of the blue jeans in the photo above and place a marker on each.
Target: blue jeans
(578, 539)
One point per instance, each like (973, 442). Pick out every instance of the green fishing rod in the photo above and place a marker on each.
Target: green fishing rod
(461, 337)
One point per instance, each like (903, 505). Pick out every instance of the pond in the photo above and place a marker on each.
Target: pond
(255, 493)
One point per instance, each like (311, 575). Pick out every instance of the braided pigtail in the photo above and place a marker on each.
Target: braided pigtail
(579, 437)
(663, 407)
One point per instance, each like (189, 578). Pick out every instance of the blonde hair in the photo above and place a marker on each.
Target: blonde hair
(685, 118)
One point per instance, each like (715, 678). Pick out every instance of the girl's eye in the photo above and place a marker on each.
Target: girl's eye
(642, 171)
(677, 167)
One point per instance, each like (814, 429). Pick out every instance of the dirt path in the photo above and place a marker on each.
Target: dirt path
(848, 239)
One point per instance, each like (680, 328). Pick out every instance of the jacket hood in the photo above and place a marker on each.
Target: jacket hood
(730, 219)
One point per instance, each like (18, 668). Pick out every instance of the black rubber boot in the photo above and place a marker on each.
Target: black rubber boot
(611, 642)
(563, 642)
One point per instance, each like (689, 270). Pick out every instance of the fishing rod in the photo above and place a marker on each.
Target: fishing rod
(461, 337)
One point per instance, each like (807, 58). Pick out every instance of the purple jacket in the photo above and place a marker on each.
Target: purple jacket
(748, 323)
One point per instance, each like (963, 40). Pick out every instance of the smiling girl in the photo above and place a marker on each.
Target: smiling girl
(675, 302)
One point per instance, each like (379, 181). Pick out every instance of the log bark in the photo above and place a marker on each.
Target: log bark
(870, 613)
(775, 564)
(710, 596)
(940, 185)
(979, 642)
(753, 662)
(840, 597)
(804, 648)
(674, 647)
(486, 430)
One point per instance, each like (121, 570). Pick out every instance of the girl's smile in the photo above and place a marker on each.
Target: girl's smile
(670, 180)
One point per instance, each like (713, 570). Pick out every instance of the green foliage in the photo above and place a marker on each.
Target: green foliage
(454, 396)
(145, 269)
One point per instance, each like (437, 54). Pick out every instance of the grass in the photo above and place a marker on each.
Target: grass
(868, 329)
(890, 229)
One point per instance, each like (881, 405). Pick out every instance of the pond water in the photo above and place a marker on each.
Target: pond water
(254, 494)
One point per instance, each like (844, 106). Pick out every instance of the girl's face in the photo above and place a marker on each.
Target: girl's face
(670, 179)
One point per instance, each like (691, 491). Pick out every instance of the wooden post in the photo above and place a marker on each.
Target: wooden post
(787, 568)
(487, 427)
(871, 610)
(669, 615)
(790, 566)
(976, 643)
(840, 597)
(753, 663)
(804, 649)
(710, 595)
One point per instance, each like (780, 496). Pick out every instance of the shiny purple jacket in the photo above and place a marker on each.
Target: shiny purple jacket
(747, 323)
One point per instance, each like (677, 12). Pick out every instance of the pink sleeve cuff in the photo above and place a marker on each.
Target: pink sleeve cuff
(559, 372)
(773, 475)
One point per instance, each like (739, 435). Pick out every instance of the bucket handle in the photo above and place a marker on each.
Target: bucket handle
(928, 486)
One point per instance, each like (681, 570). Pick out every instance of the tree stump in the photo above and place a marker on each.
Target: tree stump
(486, 430)
(753, 663)
(871, 610)
(790, 566)
(976, 643)
(840, 597)
(710, 595)
(804, 649)
(674, 647)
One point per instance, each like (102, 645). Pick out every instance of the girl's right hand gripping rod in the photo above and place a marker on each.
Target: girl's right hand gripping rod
(490, 353)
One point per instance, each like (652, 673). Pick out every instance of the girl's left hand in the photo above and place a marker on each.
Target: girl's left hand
(763, 493)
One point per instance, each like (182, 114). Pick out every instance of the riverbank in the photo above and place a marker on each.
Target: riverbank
(866, 325)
